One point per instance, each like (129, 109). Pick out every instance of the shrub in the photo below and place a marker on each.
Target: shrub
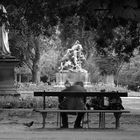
(18, 102)
(37, 102)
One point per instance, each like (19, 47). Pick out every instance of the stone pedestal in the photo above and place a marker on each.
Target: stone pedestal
(72, 77)
(7, 76)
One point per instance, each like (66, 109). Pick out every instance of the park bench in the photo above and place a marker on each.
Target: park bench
(101, 113)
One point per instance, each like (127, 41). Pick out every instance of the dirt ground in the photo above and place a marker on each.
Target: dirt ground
(12, 128)
(18, 132)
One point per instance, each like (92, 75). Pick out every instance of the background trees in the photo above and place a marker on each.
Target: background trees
(30, 21)
(108, 29)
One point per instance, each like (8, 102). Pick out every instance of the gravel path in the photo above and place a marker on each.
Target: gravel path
(18, 132)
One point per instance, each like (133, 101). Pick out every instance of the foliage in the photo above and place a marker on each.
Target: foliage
(107, 65)
(76, 17)
(28, 102)
(72, 29)
(92, 69)
(29, 20)
(45, 87)
(32, 50)
(49, 62)
(100, 25)
(118, 48)
(129, 75)
(23, 70)
(109, 26)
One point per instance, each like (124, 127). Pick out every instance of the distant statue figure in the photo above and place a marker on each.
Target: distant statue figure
(73, 59)
(4, 44)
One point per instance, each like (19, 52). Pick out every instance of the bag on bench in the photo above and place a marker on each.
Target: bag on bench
(97, 103)
(115, 103)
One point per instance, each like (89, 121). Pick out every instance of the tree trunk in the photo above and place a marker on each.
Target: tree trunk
(118, 71)
(35, 75)
(36, 62)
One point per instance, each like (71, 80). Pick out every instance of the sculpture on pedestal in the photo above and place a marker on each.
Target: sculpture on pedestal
(71, 66)
(7, 62)
(73, 59)
(4, 44)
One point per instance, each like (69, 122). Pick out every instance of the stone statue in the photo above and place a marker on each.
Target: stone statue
(4, 44)
(73, 59)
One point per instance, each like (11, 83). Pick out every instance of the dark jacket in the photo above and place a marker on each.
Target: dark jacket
(73, 103)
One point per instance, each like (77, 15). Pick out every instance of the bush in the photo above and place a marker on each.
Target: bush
(8, 102)
(37, 102)
(37, 87)
(18, 102)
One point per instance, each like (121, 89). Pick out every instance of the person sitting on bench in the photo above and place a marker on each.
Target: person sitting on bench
(72, 103)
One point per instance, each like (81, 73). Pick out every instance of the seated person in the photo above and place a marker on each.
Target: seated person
(115, 103)
(66, 84)
(72, 103)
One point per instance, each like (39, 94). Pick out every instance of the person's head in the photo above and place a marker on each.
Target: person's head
(67, 83)
(80, 83)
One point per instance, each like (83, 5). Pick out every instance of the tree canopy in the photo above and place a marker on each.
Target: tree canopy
(110, 26)
(39, 16)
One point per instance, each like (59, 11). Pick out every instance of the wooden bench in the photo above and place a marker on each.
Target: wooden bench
(101, 113)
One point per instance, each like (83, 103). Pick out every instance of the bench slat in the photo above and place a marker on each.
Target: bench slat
(101, 115)
(86, 111)
(81, 94)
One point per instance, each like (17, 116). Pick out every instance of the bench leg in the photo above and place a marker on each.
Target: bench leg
(44, 118)
(88, 120)
(101, 120)
(57, 118)
(85, 121)
(117, 117)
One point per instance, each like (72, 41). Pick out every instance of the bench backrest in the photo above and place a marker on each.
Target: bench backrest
(79, 94)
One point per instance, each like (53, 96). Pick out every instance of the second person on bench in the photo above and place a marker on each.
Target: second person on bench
(72, 103)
